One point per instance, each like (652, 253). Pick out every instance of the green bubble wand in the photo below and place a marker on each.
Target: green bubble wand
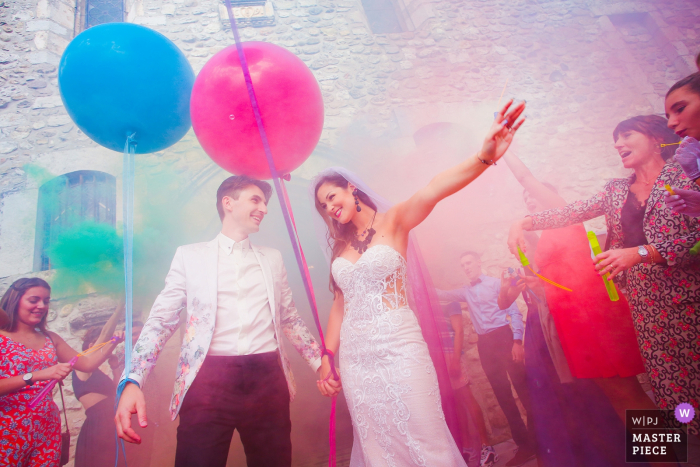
(609, 284)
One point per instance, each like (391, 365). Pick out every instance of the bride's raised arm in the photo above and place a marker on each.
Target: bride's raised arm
(413, 211)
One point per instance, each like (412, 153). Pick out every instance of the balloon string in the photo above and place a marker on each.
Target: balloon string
(286, 208)
(331, 434)
(128, 177)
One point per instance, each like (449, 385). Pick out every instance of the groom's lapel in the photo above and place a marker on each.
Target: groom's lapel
(269, 282)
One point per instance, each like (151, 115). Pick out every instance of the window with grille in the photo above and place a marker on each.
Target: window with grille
(382, 16)
(103, 11)
(68, 200)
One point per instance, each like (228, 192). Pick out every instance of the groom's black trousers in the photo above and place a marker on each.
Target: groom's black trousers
(246, 393)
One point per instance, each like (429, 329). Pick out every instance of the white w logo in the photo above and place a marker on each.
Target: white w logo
(685, 413)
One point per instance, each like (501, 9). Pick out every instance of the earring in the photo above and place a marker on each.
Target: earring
(357, 201)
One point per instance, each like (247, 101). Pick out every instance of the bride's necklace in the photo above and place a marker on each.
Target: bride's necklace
(361, 245)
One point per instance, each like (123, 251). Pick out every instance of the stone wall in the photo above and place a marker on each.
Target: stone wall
(582, 65)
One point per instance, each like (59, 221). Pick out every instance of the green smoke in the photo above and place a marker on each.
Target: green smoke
(88, 258)
(168, 213)
(39, 174)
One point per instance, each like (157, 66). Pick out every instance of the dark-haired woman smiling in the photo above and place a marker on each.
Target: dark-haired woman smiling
(649, 246)
(31, 356)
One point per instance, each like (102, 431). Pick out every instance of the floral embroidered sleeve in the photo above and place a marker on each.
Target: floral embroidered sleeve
(294, 327)
(162, 322)
(571, 214)
(675, 234)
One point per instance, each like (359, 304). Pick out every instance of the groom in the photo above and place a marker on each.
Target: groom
(233, 373)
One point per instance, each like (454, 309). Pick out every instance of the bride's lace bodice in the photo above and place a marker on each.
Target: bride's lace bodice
(388, 377)
(374, 284)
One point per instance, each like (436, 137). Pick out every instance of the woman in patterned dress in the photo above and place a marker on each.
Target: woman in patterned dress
(648, 251)
(31, 356)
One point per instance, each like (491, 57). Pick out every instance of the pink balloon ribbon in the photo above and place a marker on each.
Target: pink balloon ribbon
(286, 212)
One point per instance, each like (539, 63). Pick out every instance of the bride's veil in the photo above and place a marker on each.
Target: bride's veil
(421, 296)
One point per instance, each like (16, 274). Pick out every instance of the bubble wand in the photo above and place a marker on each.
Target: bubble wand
(609, 284)
(696, 249)
(49, 387)
(526, 264)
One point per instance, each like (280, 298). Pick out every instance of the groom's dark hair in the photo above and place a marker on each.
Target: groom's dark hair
(233, 186)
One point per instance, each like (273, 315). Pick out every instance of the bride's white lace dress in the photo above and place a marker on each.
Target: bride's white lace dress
(388, 377)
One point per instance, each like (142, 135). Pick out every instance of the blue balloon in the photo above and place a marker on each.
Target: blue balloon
(118, 79)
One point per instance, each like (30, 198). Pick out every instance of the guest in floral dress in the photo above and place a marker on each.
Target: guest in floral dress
(30, 357)
(648, 251)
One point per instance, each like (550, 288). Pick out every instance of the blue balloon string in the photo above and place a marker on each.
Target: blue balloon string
(128, 223)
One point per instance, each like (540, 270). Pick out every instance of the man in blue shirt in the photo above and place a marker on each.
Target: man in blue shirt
(500, 345)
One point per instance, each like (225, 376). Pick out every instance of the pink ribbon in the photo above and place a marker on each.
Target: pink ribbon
(287, 214)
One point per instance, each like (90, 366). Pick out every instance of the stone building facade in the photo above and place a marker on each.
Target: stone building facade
(393, 75)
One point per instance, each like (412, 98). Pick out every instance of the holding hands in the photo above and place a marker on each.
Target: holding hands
(327, 384)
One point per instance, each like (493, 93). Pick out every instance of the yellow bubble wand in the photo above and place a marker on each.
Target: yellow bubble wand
(526, 264)
(609, 285)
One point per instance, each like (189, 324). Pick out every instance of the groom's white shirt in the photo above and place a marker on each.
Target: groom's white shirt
(192, 284)
(244, 323)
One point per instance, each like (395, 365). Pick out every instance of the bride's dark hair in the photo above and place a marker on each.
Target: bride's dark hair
(339, 235)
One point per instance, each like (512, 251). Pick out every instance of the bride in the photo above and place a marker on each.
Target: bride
(381, 295)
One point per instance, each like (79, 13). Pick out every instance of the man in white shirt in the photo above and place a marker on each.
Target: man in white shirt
(233, 367)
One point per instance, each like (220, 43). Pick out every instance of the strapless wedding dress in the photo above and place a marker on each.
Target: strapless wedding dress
(388, 377)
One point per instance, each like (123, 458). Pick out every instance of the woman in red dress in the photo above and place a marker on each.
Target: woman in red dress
(30, 357)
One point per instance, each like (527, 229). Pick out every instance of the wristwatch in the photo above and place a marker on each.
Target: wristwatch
(28, 379)
(644, 253)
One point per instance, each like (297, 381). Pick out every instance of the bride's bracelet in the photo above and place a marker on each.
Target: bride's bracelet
(485, 161)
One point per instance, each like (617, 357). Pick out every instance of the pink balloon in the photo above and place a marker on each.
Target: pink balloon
(290, 104)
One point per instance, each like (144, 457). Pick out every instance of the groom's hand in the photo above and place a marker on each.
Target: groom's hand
(327, 385)
(131, 402)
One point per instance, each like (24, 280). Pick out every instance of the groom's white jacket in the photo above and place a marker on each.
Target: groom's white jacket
(191, 283)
